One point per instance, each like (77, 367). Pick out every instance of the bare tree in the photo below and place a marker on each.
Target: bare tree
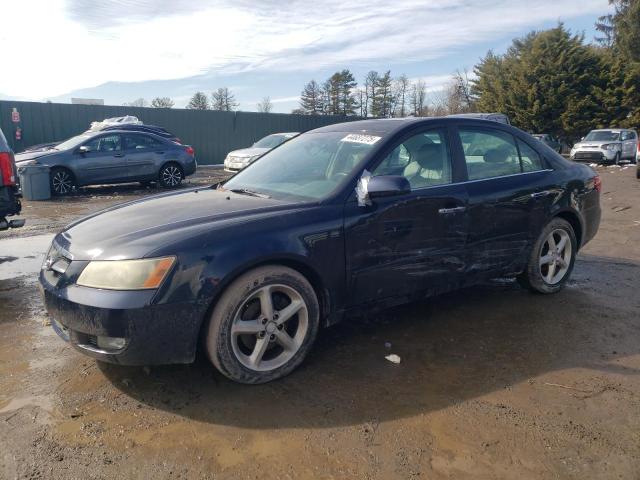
(418, 98)
(370, 91)
(460, 99)
(265, 106)
(401, 91)
(162, 102)
(138, 102)
(223, 99)
(199, 101)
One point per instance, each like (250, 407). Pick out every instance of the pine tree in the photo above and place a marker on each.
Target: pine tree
(311, 99)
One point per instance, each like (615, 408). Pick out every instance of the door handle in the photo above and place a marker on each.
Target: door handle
(540, 194)
(449, 211)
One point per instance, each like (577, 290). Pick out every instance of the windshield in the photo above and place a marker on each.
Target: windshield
(308, 167)
(602, 136)
(73, 142)
(272, 141)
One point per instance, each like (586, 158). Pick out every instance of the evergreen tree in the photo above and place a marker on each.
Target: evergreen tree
(311, 99)
(545, 82)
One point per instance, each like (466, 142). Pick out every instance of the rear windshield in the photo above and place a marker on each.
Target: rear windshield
(603, 136)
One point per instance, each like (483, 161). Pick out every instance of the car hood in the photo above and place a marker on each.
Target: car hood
(23, 157)
(144, 227)
(248, 152)
(592, 144)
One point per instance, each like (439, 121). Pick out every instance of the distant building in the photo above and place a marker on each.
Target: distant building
(87, 101)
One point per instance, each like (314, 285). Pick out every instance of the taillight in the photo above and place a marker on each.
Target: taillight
(190, 150)
(7, 175)
(597, 183)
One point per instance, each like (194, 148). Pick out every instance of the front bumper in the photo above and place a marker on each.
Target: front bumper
(153, 334)
(594, 155)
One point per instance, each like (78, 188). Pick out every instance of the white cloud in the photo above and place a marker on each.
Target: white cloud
(54, 49)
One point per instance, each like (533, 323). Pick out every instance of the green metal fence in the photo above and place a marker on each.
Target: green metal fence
(212, 134)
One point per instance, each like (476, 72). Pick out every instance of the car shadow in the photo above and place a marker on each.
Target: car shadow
(453, 347)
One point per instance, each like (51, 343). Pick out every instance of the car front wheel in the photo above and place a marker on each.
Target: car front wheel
(552, 258)
(263, 325)
(61, 181)
(170, 175)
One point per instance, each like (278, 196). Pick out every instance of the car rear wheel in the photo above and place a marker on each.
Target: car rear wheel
(61, 181)
(552, 258)
(170, 175)
(263, 325)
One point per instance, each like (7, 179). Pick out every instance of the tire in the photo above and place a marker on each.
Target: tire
(170, 175)
(638, 173)
(538, 275)
(617, 159)
(253, 351)
(61, 181)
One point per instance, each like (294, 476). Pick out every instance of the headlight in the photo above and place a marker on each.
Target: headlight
(142, 274)
(611, 146)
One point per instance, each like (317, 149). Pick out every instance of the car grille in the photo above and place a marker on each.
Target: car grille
(588, 156)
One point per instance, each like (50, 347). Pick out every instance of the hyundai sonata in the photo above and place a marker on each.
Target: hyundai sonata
(373, 212)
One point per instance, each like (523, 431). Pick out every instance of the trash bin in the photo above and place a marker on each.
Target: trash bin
(34, 181)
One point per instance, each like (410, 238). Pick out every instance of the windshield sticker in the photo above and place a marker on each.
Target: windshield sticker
(358, 138)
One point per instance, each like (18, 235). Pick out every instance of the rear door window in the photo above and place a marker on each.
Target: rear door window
(493, 153)
(489, 153)
(529, 158)
(140, 142)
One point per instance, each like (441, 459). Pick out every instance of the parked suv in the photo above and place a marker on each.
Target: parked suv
(607, 146)
(9, 196)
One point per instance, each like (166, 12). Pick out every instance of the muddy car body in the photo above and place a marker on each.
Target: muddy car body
(253, 267)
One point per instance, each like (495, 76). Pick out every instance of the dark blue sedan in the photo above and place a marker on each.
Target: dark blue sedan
(345, 217)
(113, 156)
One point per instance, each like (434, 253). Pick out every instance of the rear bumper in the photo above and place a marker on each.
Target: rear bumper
(153, 334)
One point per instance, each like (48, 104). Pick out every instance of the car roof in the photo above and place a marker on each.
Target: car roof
(388, 126)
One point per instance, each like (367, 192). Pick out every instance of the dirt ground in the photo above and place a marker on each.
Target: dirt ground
(494, 382)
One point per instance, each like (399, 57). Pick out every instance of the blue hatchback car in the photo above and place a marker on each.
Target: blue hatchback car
(113, 156)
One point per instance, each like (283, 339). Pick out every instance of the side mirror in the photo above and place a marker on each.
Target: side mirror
(388, 186)
(83, 149)
(370, 187)
(581, 138)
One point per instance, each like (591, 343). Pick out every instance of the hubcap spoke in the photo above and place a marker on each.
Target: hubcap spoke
(246, 327)
(266, 303)
(552, 242)
(562, 243)
(551, 272)
(289, 311)
(547, 259)
(258, 351)
(286, 341)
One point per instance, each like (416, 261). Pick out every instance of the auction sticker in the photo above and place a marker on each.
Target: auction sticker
(358, 138)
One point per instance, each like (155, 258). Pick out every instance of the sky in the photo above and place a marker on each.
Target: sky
(120, 50)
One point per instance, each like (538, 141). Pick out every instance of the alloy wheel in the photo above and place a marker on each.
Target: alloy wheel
(61, 182)
(269, 327)
(555, 256)
(171, 175)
